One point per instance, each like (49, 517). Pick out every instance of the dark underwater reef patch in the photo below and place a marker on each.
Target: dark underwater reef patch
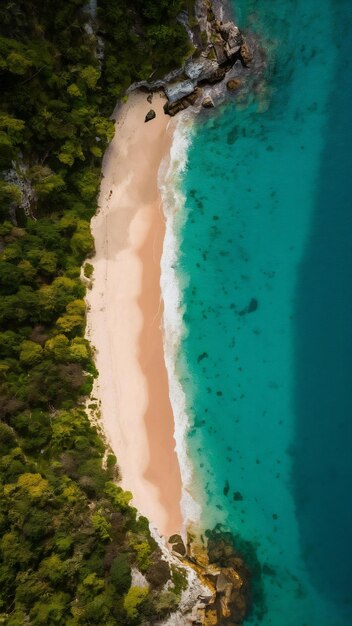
(230, 571)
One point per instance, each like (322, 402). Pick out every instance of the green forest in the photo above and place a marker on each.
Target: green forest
(69, 540)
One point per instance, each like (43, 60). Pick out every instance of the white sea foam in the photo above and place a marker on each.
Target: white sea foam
(173, 200)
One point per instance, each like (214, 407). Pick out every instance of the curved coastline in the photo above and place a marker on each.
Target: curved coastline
(142, 401)
(173, 200)
(125, 312)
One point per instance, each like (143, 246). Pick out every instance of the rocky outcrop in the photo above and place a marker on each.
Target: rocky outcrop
(184, 103)
(224, 576)
(218, 47)
(232, 37)
(177, 91)
(204, 70)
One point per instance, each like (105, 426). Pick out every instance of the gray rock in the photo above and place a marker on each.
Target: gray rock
(156, 84)
(150, 115)
(233, 38)
(231, 33)
(177, 91)
(231, 51)
(204, 70)
(220, 53)
(193, 69)
(209, 70)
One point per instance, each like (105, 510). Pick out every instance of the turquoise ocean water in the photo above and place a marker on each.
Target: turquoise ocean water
(266, 267)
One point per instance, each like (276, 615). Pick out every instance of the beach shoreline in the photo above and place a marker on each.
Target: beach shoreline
(125, 311)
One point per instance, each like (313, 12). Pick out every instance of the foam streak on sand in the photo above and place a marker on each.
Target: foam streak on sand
(173, 201)
(125, 314)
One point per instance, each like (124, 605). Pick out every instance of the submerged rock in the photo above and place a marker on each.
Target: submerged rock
(253, 305)
(246, 54)
(226, 488)
(233, 84)
(150, 115)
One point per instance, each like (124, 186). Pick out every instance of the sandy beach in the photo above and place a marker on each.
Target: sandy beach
(125, 313)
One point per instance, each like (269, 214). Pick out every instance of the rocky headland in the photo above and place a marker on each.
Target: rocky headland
(221, 54)
(223, 573)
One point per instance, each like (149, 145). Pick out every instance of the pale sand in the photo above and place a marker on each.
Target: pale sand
(125, 314)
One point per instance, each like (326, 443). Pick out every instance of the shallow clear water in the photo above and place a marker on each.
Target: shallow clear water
(266, 263)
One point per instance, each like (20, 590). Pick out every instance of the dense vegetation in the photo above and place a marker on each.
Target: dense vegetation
(68, 538)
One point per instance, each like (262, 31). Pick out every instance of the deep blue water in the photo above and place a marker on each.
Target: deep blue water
(323, 351)
(266, 263)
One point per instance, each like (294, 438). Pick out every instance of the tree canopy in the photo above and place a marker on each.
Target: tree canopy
(69, 539)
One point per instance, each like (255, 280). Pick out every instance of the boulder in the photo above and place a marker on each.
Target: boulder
(246, 54)
(231, 33)
(184, 103)
(177, 91)
(194, 69)
(217, 75)
(203, 70)
(150, 115)
(233, 38)
(208, 102)
(233, 84)
(231, 52)
(178, 547)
